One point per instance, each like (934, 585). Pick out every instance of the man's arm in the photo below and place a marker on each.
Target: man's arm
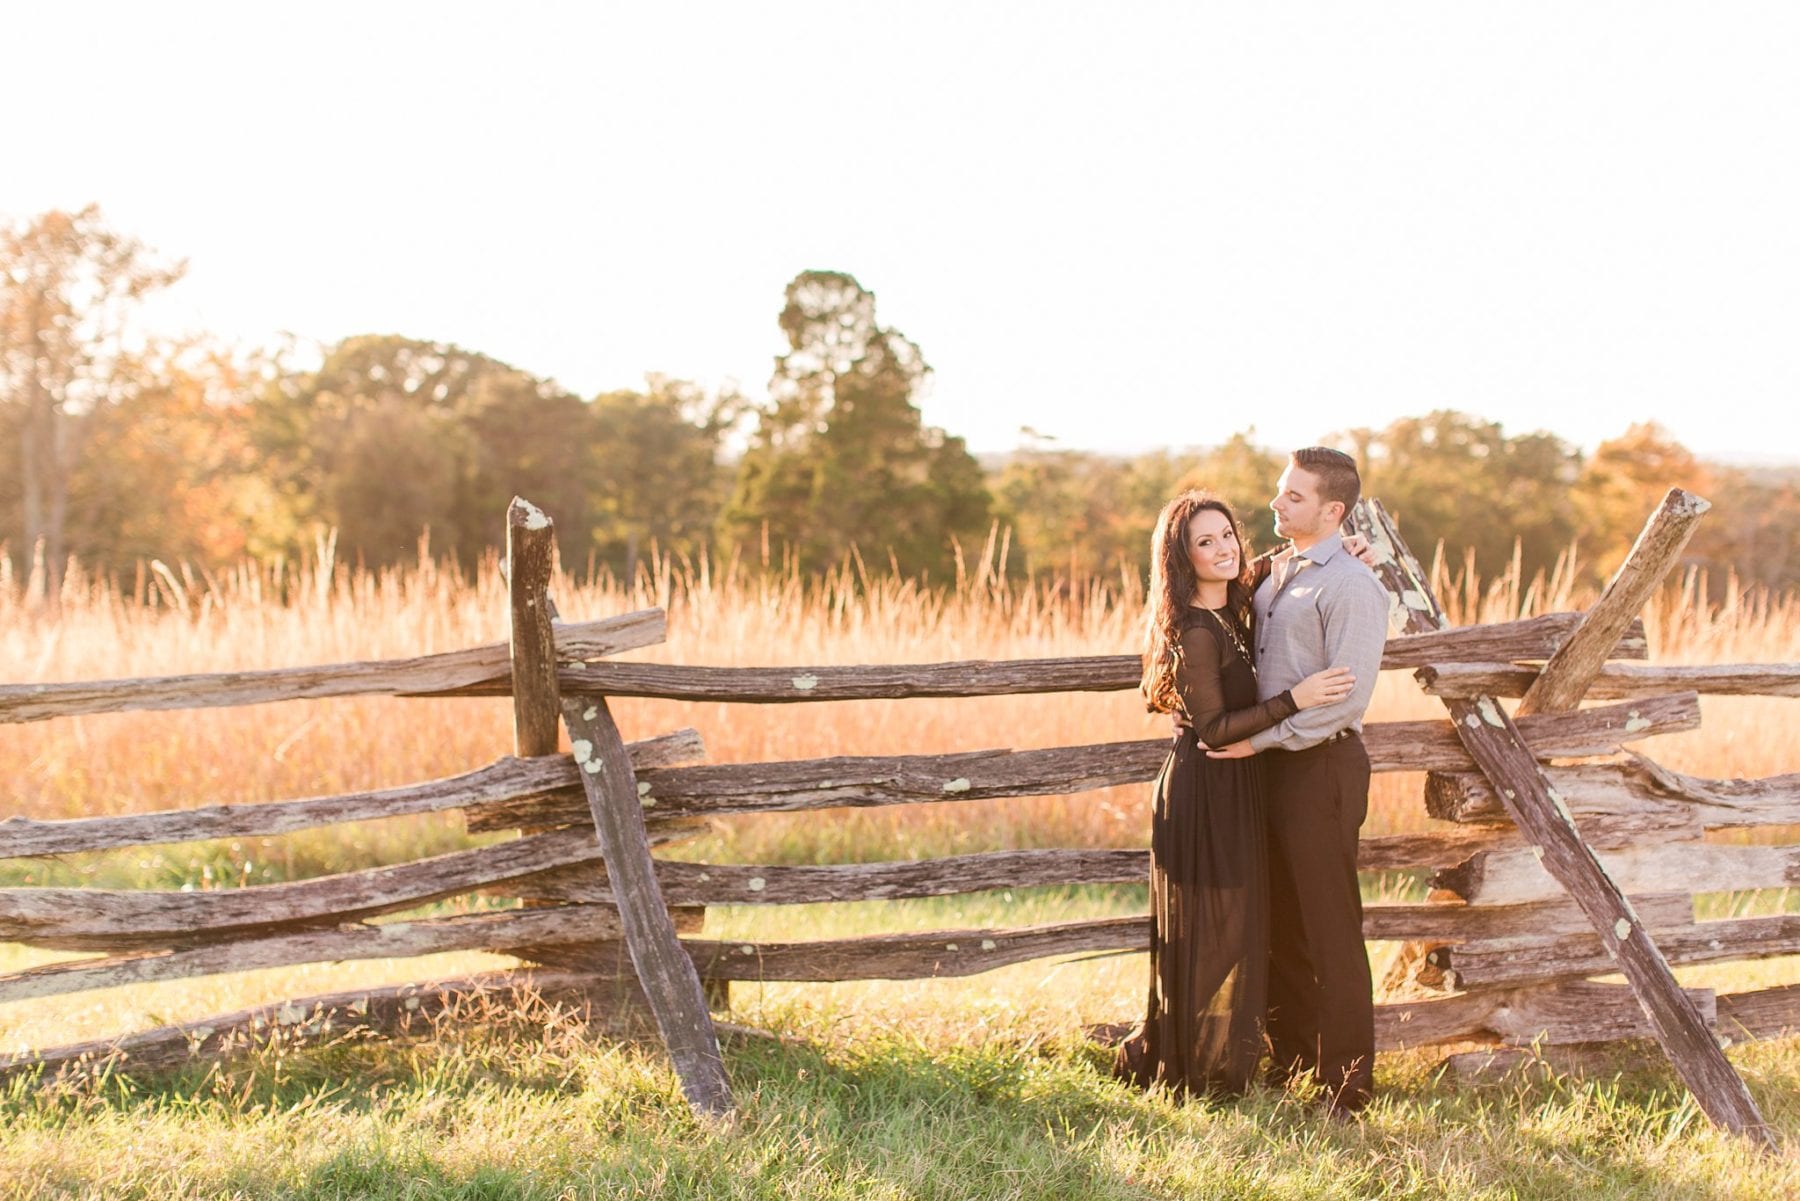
(1355, 615)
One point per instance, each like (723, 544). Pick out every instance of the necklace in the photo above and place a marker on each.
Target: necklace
(1230, 628)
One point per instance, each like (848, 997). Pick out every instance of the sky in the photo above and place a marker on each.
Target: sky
(1121, 226)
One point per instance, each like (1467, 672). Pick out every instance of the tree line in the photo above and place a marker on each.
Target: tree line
(130, 448)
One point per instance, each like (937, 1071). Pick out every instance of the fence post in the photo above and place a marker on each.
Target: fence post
(1565, 678)
(530, 551)
(1495, 744)
(663, 966)
(667, 975)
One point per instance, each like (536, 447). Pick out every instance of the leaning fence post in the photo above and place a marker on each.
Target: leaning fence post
(1573, 666)
(1495, 744)
(663, 966)
(667, 975)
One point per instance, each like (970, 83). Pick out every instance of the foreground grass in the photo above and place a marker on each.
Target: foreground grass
(850, 1105)
(982, 1087)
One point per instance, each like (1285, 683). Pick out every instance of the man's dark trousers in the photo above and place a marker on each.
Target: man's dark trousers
(1321, 1005)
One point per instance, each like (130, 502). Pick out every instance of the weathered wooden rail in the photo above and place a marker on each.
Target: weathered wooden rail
(1496, 741)
(1504, 953)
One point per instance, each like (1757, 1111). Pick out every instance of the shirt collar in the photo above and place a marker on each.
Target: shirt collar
(1322, 551)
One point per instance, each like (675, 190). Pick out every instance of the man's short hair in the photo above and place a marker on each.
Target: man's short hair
(1336, 471)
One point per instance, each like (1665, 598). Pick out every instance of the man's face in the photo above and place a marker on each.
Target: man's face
(1301, 514)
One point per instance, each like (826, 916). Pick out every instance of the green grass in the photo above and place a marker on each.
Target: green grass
(524, 1107)
(974, 1088)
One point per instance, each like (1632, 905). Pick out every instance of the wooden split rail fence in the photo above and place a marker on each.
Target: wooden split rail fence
(1520, 919)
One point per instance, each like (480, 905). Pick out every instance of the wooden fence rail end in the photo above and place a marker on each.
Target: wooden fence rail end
(1567, 674)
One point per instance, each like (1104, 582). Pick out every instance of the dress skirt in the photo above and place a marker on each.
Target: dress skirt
(1209, 913)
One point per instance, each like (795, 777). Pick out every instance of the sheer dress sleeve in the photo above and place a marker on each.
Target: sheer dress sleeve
(1198, 677)
(1262, 567)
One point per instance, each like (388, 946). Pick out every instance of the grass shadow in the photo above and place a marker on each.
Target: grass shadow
(532, 1106)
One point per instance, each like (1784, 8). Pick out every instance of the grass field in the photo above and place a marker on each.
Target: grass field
(970, 1088)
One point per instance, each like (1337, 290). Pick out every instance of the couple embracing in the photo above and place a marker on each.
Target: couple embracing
(1256, 917)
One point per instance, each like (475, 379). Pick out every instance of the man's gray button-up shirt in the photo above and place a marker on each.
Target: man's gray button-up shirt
(1330, 612)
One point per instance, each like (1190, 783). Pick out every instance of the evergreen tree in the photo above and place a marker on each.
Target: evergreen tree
(841, 458)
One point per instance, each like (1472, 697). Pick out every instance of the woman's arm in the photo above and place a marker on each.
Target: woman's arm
(1263, 565)
(1199, 679)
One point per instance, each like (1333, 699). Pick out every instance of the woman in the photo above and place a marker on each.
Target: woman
(1208, 883)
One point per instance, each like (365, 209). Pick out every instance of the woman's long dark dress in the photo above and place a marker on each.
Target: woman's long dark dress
(1209, 906)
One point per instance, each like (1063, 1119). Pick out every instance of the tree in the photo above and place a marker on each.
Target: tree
(1244, 474)
(1622, 483)
(1080, 513)
(1455, 478)
(393, 436)
(1046, 497)
(69, 286)
(1753, 530)
(655, 469)
(168, 471)
(841, 457)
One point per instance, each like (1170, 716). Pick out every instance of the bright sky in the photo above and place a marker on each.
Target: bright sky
(1125, 226)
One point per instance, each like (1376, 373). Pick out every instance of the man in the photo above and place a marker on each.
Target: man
(1320, 607)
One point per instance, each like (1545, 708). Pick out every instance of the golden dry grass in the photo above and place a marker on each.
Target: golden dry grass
(144, 761)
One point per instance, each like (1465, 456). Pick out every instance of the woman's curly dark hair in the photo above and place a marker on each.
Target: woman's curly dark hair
(1172, 588)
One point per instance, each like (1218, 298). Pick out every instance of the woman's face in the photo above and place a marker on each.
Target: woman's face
(1212, 546)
